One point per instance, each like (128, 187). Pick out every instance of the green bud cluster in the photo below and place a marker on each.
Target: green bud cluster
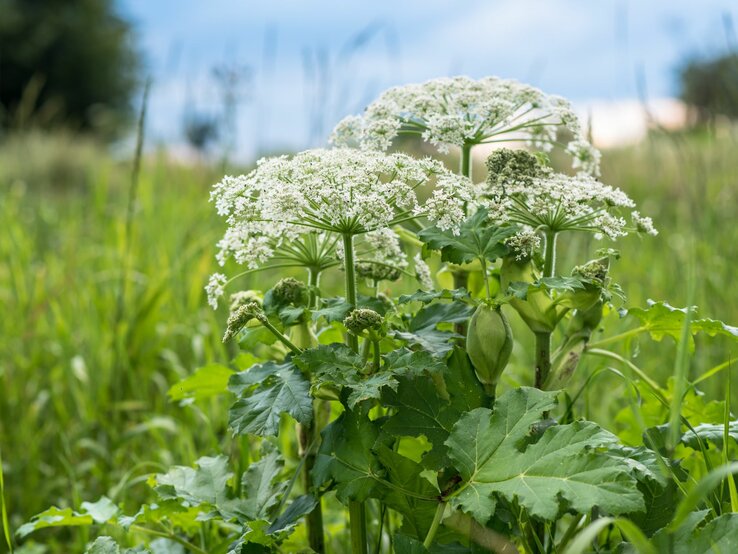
(363, 319)
(377, 272)
(240, 298)
(290, 291)
(489, 343)
(512, 165)
(240, 317)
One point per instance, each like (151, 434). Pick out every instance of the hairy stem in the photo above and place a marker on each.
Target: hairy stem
(314, 520)
(543, 358)
(357, 517)
(306, 436)
(357, 510)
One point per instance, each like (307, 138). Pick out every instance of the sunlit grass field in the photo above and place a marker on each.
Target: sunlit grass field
(103, 309)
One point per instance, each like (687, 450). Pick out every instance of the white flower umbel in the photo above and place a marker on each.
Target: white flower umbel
(464, 112)
(341, 191)
(555, 202)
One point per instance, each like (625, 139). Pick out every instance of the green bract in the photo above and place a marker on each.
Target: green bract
(489, 343)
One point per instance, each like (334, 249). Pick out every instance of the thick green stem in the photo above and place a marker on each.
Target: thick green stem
(549, 261)
(483, 263)
(350, 274)
(314, 520)
(313, 282)
(465, 165)
(357, 510)
(306, 437)
(543, 358)
(357, 517)
(543, 340)
(434, 526)
(377, 356)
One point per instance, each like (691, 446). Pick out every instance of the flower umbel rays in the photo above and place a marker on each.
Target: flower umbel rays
(524, 192)
(463, 112)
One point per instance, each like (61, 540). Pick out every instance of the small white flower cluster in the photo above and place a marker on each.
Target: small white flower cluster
(215, 288)
(558, 202)
(341, 190)
(524, 243)
(460, 111)
(423, 273)
(643, 224)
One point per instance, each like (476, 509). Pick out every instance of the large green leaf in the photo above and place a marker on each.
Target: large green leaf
(428, 406)
(206, 484)
(267, 391)
(661, 319)
(562, 470)
(408, 493)
(207, 381)
(261, 486)
(423, 330)
(346, 457)
(421, 411)
(478, 238)
(107, 545)
(428, 296)
(718, 536)
(91, 512)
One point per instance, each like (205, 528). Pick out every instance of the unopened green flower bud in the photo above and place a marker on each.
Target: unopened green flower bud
(290, 291)
(240, 298)
(489, 343)
(363, 319)
(239, 318)
(506, 165)
(538, 310)
(594, 277)
(377, 272)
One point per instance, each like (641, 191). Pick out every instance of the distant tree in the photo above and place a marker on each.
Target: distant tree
(65, 60)
(200, 130)
(711, 87)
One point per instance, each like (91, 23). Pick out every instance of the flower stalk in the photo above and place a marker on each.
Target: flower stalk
(357, 510)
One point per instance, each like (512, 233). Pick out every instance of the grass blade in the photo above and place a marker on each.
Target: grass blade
(4, 509)
(582, 543)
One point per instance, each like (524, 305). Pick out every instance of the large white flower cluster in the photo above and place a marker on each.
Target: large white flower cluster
(559, 202)
(343, 190)
(460, 111)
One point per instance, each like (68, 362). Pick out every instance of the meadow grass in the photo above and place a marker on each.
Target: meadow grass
(85, 369)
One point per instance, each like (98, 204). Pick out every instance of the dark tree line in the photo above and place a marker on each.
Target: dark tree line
(68, 62)
(710, 87)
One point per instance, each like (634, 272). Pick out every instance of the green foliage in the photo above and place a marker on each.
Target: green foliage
(265, 392)
(661, 320)
(477, 239)
(563, 468)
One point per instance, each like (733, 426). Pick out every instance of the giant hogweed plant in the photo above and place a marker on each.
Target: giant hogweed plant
(379, 423)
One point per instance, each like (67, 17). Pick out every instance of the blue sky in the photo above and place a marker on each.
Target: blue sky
(305, 64)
